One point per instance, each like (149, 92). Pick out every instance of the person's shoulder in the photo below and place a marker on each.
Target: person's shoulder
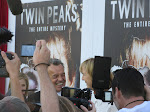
(146, 103)
(123, 110)
(144, 107)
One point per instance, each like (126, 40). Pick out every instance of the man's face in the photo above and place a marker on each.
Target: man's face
(57, 76)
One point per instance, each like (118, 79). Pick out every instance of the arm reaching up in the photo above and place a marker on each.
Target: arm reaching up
(49, 98)
(12, 67)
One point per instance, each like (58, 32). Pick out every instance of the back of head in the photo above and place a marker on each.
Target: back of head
(13, 104)
(129, 81)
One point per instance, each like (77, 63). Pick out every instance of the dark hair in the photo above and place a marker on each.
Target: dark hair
(129, 81)
(55, 61)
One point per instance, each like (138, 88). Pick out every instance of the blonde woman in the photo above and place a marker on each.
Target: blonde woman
(24, 82)
(86, 68)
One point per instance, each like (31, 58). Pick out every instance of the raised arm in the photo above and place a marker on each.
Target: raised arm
(49, 98)
(12, 67)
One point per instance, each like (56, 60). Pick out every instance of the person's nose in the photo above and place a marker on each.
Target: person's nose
(60, 78)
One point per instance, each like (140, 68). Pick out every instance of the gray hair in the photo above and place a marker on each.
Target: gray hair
(56, 62)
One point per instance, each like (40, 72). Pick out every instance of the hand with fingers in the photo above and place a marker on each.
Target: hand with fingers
(93, 109)
(13, 65)
(41, 53)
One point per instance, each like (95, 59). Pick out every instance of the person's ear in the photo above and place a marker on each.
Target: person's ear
(117, 93)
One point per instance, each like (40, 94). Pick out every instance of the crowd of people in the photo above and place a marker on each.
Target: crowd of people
(130, 94)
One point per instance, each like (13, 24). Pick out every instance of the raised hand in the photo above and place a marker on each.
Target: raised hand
(41, 53)
(13, 65)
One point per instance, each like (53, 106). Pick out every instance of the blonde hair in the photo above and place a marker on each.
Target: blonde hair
(88, 65)
(23, 76)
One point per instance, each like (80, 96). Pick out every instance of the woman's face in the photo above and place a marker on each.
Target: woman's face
(23, 85)
(87, 78)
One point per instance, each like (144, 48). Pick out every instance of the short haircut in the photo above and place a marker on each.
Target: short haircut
(129, 81)
(13, 104)
(55, 62)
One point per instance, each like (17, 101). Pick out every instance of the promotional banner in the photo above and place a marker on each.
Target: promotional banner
(59, 23)
(127, 34)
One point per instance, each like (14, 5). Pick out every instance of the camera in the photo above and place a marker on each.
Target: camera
(77, 96)
(105, 96)
(101, 78)
(3, 71)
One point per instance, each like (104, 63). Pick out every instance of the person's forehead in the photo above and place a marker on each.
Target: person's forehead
(56, 69)
(22, 81)
(84, 70)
